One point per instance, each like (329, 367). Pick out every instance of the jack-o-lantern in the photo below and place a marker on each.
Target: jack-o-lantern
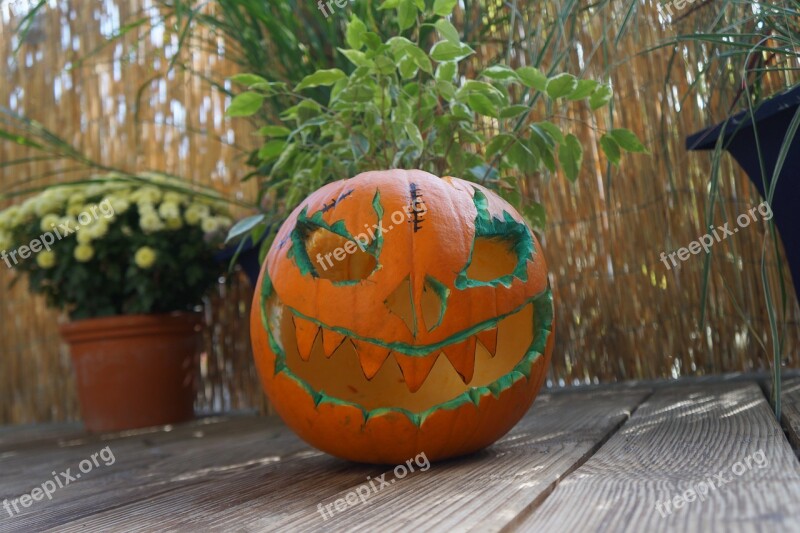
(399, 313)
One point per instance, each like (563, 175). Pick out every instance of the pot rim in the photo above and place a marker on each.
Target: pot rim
(120, 326)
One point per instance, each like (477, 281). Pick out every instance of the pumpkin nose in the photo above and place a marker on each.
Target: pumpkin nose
(424, 312)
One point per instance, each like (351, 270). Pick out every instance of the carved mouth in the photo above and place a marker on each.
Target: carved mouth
(338, 366)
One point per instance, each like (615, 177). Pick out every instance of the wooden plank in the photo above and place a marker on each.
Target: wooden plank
(145, 464)
(790, 410)
(487, 489)
(674, 442)
(23, 435)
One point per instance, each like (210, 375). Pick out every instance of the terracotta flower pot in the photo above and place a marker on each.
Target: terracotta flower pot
(134, 371)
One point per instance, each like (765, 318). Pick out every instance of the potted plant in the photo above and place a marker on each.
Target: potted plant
(129, 260)
(411, 101)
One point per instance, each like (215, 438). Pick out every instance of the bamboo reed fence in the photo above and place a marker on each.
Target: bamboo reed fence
(621, 313)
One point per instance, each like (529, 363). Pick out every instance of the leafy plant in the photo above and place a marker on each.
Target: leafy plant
(410, 104)
(113, 245)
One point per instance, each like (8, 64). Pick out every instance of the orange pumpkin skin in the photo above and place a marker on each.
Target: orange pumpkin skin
(362, 374)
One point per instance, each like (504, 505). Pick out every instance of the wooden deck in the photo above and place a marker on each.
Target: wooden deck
(599, 459)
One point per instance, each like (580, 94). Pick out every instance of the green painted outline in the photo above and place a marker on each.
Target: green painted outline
(507, 229)
(305, 225)
(443, 292)
(542, 324)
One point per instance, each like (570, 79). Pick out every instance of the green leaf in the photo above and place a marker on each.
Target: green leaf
(446, 71)
(372, 40)
(357, 57)
(501, 73)
(550, 129)
(420, 58)
(247, 79)
(445, 89)
(600, 97)
(359, 144)
(324, 77)
(413, 133)
(627, 140)
(389, 4)
(513, 111)
(448, 31)
(406, 14)
(20, 140)
(480, 103)
(271, 150)
(245, 104)
(497, 144)
(533, 77)
(497, 97)
(561, 85)
(522, 156)
(584, 89)
(354, 35)
(535, 215)
(570, 156)
(274, 131)
(408, 67)
(399, 45)
(611, 148)
(447, 51)
(385, 65)
(545, 144)
(301, 111)
(244, 225)
(444, 7)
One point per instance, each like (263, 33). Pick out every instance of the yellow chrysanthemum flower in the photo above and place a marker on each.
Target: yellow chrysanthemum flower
(77, 198)
(193, 216)
(84, 236)
(97, 229)
(209, 225)
(224, 222)
(8, 217)
(48, 221)
(145, 257)
(46, 259)
(74, 210)
(147, 194)
(175, 197)
(83, 253)
(119, 204)
(169, 210)
(150, 223)
(174, 223)
(44, 205)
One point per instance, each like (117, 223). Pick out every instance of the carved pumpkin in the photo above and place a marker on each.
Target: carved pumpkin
(399, 313)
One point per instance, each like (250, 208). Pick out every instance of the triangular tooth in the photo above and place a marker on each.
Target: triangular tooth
(415, 369)
(462, 356)
(306, 333)
(330, 341)
(371, 357)
(489, 340)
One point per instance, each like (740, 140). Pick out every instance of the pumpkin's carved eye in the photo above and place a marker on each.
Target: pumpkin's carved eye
(336, 258)
(492, 258)
(500, 251)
